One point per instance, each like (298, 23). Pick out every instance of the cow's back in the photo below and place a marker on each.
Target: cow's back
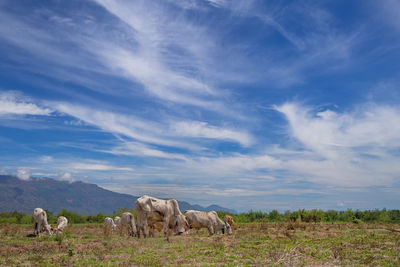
(39, 215)
(197, 218)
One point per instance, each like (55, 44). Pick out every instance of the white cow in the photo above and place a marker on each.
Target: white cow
(40, 220)
(150, 210)
(207, 219)
(117, 221)
(109, 225)
(128, 221)
(62, 222)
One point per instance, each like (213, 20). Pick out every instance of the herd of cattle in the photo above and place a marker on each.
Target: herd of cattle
(152, 214)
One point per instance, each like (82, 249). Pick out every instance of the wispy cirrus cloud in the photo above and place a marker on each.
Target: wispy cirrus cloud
(198, 129)
(130, 148)
(147, 131)
(13, 103)
(168, 59)
(98, 167)
(389, 11)
(323, 44)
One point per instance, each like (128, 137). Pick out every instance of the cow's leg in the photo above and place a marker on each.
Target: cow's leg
(143, 226)
(130, 230)
(166, 228)
(35, 231)
(145, 229)
(139, 227)
(39, 224)
(151, 230)
(210, 229)
(133, 226)
(121, 226)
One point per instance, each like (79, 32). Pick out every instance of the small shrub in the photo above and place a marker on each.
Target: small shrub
(71, 252)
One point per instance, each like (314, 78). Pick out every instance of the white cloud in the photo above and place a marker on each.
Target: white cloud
(12, 103)
(98, 167)
(128, 125)
(204, 130)
(46, 159)
(147, 131)
(350, 148)
(327, 131)
(138, 149)
(155, 63)
(66, 176)
(24, 173)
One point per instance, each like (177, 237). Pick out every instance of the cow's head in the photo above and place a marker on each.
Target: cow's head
(180, 225)
(228, 229)
(48, 228)
(54, 230)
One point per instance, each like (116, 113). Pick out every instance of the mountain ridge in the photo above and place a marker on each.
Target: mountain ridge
(80, 197)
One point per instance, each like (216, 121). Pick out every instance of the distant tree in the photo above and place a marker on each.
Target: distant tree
(274, 216)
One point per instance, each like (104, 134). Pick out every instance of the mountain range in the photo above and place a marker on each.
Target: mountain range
(80, 197)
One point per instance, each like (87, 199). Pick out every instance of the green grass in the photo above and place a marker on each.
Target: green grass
(278, 244)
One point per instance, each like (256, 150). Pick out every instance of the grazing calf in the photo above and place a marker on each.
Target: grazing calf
(219, 225)
(150, 210)
(207, 219)
(109, 225)
(40, 220)
(128, 221)
(62, 222)
(159, 226)
(228, 219)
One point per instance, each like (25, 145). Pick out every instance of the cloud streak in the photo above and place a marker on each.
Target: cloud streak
(12, 103)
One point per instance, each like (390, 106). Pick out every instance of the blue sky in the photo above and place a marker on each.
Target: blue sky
(247, 104)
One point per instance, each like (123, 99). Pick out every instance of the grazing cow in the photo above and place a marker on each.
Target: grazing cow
(109, 225)
(207, 219)
(228, 219)
(62, 222)
(40, 220)
(159, 227)
(151, 210)
(128, 221)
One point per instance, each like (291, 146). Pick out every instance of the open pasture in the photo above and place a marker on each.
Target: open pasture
(260, 244)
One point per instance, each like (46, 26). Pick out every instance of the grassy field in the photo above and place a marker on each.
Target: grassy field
(294, 244)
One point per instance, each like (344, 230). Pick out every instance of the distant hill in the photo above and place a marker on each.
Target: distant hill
(79, 197)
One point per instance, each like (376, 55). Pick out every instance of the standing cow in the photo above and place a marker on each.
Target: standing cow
(207, 219)
(151, 210)
(40, 220)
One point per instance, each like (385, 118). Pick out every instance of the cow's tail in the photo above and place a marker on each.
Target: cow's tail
(176, 207)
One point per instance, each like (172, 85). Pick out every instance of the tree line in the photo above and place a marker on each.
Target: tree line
(317, 215)
(314, 215)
